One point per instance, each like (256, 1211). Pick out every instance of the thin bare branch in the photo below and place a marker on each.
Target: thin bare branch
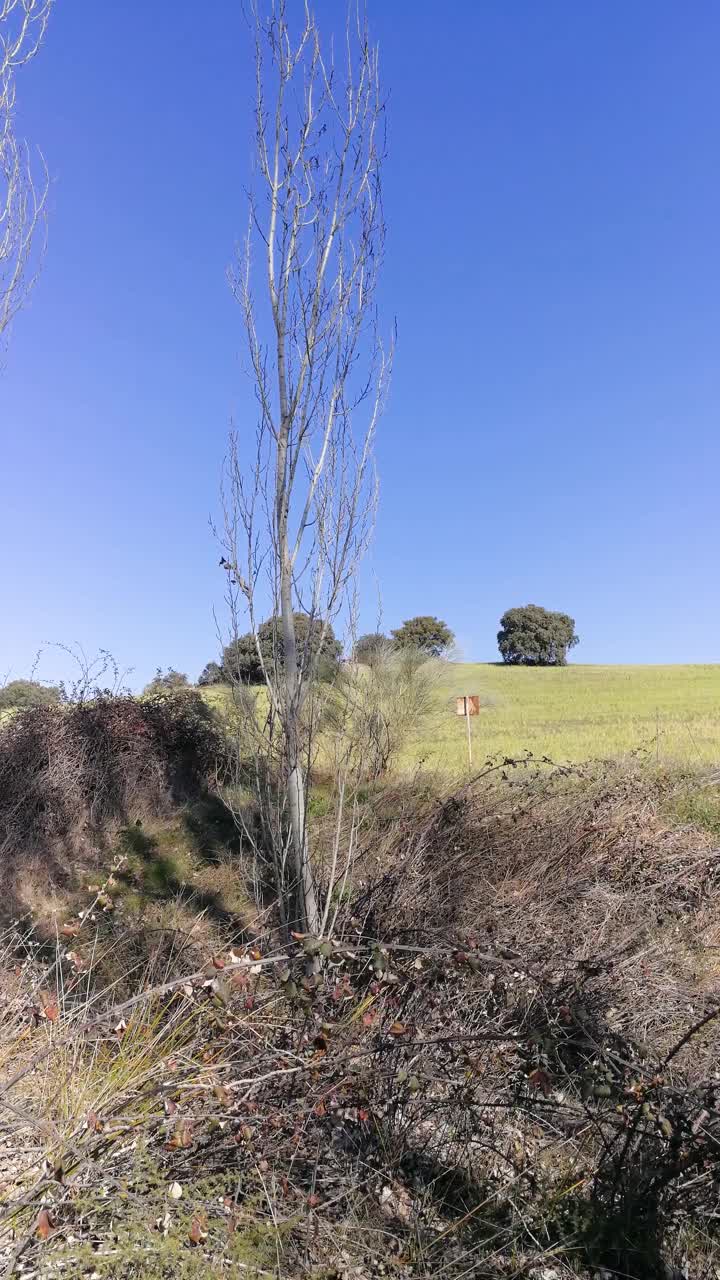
(23, 183)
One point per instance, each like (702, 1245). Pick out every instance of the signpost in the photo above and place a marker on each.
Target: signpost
(468, 705)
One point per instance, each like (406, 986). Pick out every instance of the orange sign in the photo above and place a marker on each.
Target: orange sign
(468, 705)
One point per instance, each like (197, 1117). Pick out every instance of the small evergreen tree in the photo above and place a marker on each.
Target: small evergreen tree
(318, 648)
(27, 693)
(211, 674)
(170, 681)
(427, 634)
(370, 647)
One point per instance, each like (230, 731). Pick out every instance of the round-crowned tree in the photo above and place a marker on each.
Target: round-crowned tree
(369, 648)
(317, 645)
(240, 661)
(535, 637)
(211, 674)
(426, 634)
(21, 694)
(170, 681)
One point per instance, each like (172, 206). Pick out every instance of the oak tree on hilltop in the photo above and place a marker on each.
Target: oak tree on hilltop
(170, 681)
(370, 647)
(425, 633)
(21, 694)
(248, 658)
(535, 637)
(212, 673)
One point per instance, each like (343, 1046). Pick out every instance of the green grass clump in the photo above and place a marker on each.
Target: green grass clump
(147, 1233)
(696, 806)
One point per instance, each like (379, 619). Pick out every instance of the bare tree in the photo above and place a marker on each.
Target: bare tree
(22, 197)
(299, 505)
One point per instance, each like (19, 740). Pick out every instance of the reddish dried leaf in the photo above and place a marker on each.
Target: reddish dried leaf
(94, 1122)
(313, 1201)
(218, 962)
(363, 1115)
(71, 930)
(320, 1109)
(539, 1079)
(197, 1232)
(182, 1136)
(44, 1225)
(368, 1019)
(48, 1007)
(170, 1107)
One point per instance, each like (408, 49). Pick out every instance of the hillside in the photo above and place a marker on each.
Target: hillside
(576, 713)
(497, 1060)
(571, 713)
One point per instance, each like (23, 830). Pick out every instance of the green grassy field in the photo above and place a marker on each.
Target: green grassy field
(569, 713)
(575, 713)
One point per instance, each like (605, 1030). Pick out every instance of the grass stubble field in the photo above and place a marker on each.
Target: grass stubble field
(574, 713)
(571, 714)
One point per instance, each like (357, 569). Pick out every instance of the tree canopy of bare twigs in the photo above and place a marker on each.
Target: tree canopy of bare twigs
(300, 499)
(23, 184)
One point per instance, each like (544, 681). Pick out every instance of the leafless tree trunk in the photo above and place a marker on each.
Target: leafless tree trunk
(299, 505)
(22, 198)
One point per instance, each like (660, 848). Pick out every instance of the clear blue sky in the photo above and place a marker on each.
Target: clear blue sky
(553, 204)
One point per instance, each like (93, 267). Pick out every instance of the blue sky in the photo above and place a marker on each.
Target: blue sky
(553, 204)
